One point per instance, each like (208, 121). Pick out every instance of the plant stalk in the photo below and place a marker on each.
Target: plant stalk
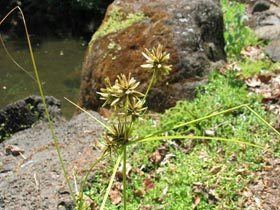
(263, 120)
(51, 126)
(190, 137)
(124, 177)
(111, 182)
(150, 85)
(193, 121)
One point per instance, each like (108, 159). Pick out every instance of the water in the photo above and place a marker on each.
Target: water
(59, 64)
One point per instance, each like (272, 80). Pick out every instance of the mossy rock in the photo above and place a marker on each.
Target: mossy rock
(191, 31)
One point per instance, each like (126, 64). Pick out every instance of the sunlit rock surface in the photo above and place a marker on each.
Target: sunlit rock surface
(192, 31)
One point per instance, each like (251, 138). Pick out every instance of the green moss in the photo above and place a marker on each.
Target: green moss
(117, 20)
(249, 68)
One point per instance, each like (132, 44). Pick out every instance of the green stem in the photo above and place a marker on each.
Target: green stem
(51, 126)
(111, 182)
(150, 85)
(193, 121)
(85, 178)
(195, 138)
(263, 120)
(124, 177)
(13, 60)
(89, 114)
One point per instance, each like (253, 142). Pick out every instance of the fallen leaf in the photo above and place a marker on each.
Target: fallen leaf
(14, 150)
(149, 184)
(158, 155)
(196, 202)
(253, 82)
(139, 193)
(215, 169)
(253, 52)
(115, 196)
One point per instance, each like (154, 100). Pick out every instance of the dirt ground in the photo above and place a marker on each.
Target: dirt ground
(30, 173)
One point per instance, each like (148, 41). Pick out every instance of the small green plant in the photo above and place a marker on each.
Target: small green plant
(237, 34)
(249, 68)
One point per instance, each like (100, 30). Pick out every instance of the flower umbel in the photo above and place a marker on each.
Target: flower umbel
(122, 94)
(117, 136)
(136, 108)
(157, 61)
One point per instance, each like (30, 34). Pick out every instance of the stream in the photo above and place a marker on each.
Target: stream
(59, 63)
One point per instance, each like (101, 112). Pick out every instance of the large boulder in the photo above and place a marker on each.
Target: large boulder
(192, 31)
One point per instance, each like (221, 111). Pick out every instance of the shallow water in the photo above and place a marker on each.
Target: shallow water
(59, 64)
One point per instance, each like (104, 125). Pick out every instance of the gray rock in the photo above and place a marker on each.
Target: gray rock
(268, 32)
(24, 113)
(273, 50)
(268, 17)
(37, 182)
(270, 20)
(260, 6)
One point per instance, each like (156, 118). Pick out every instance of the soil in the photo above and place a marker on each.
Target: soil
(264, 192)
(30, 173)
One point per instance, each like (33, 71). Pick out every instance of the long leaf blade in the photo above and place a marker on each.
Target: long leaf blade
(156, 138)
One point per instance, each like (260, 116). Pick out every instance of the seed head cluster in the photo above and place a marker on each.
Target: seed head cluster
(157, 61)
(127, 102)
(122, 94)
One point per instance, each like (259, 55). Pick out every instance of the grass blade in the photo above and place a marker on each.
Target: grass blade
(124, 177)
(89, 114)
(111, 182)
(13, 60)
(263, 120)
(82, 185)
(156, 138)
(194, 121)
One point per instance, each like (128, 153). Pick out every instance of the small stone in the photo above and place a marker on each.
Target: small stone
(273, 50)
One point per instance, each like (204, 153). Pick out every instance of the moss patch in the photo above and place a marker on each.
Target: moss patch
(117, 20)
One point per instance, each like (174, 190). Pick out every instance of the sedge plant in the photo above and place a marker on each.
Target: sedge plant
(128, 105)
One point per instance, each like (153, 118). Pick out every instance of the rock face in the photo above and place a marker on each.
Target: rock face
(267, 27)
(24, 113)
(191, 31)
(34, 180)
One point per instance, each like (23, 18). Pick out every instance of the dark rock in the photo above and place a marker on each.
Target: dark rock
(24, 113)
(261, 6)
(36, 181)
(273, 50)
(192, 31)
